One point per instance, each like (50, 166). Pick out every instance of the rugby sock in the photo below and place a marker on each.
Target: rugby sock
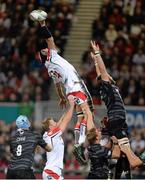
(77, 133)
(83, 128)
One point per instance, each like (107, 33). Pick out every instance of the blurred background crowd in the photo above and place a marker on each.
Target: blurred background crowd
(120, 31)
(22, 78)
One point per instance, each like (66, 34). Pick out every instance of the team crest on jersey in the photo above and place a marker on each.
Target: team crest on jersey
(54, 74)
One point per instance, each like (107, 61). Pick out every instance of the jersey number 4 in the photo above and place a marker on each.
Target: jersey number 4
(19, 150)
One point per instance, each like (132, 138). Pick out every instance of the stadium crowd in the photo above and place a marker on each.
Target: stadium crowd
(120, 31)
(20, 77)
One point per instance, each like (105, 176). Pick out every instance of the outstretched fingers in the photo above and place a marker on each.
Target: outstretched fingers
(95, 47)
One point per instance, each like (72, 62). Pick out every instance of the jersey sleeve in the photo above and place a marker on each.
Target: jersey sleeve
(47, 139)
(107, 88)
(40, 140)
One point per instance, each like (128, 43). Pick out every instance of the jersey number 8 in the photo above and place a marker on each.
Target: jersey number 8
(19, 150)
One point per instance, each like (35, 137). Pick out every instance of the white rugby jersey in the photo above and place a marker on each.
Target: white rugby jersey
(55, 157)
(62, 71)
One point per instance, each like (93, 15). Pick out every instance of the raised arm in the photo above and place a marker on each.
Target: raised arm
(134, 161)
(97, 58)
(61, 95)
(115, 148)
(46, 34)
(96, 64)
(65, 119)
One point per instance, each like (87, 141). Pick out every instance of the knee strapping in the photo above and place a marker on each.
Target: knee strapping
(79, 114)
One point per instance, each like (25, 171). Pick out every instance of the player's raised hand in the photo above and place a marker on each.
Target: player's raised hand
(95, 47)
(92, 56)
(63, 103)
(114, 139)
(71, 100)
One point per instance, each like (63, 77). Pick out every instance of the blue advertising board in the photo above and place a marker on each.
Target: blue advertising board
(135, 116)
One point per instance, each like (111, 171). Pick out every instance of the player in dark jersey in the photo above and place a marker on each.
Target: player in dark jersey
(110, 94)
(65, 77)
(99, 154)
(22, 146)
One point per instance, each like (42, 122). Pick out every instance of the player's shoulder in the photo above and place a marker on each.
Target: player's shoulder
(54, 131)
(36, 134)
(45, 135)
(94, 147)
(13, 136)
(53, 53)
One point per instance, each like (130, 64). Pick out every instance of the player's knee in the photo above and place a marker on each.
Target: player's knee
(80, 114)
(119, 134)
(85, 107)
(117, 129)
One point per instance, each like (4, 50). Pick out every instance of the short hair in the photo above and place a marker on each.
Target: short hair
(92, 135)
(46, 123)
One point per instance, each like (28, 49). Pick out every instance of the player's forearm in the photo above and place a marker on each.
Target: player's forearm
(97, 69)
(116, 152)
(90, 123)
(46, 34)
(134, 161)
(88, 116)
(60, 91)
(66, 118)
(50, 43)
(101, 67)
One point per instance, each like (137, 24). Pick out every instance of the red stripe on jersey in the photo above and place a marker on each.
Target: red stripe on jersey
(77, 126)
(54, 131)
(48, 55)
(52, 174)
(79, 95)
(84, 122)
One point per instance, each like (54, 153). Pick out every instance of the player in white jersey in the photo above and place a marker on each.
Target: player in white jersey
(63, 73)
(52, 136)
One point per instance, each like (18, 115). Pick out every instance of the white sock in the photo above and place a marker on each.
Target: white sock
(83, 128)
(77, 133)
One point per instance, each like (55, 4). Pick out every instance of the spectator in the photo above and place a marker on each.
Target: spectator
(123, 46)
(139, 58)
(19, 43)
(111, 34)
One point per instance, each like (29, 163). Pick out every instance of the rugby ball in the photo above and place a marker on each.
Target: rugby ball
(38, 15)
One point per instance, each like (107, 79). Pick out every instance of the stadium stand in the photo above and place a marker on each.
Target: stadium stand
(20, 79)
(120, 31)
